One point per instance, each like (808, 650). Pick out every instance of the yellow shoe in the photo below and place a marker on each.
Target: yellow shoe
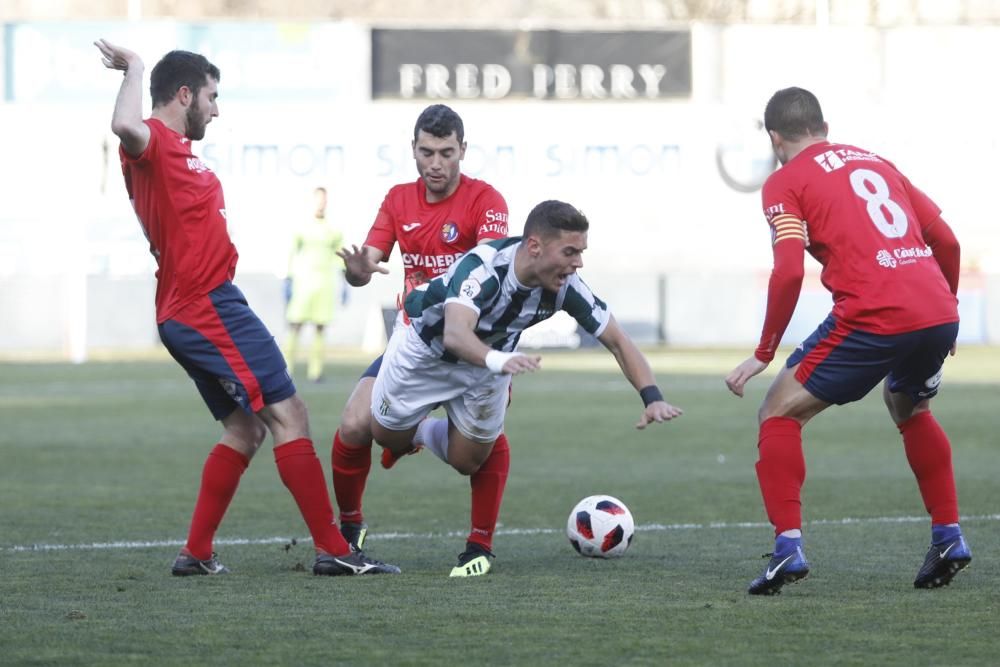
(475, 561)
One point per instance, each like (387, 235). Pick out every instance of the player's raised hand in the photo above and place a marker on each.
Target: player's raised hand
(117, 57)
(739, 376)
(658, 411)
(359, 265)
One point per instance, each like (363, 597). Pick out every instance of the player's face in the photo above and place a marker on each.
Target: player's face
(319, 198)
(559, 258)
(202, 110)
(438, 163)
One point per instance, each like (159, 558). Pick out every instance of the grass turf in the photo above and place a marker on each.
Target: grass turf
(112, 452)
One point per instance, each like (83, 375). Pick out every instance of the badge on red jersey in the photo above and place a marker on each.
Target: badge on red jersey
(449, 232)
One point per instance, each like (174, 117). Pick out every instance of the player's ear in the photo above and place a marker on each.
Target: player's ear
(461, 151)
(534, 245)
(184, 95)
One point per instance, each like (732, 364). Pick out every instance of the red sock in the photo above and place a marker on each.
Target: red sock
(929, 454)
(219, 479)
(487, 493)
(303, 475)
(781, 471)
(350, 474)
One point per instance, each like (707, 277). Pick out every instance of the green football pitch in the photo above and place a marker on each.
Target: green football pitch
(99, 466)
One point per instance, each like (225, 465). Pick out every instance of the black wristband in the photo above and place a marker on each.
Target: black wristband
(650, 394)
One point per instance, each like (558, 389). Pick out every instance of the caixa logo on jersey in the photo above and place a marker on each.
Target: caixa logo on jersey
(449, 232)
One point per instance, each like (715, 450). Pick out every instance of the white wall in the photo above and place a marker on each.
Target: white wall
(645, 172)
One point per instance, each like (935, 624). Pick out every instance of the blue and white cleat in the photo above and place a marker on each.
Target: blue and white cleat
(949, 554)
(787, 565)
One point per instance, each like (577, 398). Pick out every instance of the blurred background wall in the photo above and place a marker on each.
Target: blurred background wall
(643, 113)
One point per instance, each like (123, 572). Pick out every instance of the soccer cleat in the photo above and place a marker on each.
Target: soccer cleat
(389, 459)
(787, 565)
(473, 562)
(186, 565)
(354, 533)
(943, 562)
(352, 564)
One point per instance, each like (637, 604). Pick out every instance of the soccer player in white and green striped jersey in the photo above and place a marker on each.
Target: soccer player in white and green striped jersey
(460, 351)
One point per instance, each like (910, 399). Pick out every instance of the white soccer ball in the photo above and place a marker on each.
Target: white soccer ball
(600, 527)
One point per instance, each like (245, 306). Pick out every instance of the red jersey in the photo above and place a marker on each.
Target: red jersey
(431, 236)
(863, 221)
(178, 200)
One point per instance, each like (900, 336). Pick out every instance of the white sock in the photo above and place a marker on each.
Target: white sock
(433, 435)
(793, 533)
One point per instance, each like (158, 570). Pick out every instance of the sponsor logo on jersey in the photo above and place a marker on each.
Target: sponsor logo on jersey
(436, 263)
(902, 256)
(449, 232)
(496, 216)
(494, 228)
(885, 259)
(470, 288)
(774, 210)
(835, 159)
(196, 165)
(829, 161)
(410, 226)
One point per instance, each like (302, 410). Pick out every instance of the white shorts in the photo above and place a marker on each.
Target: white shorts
(412, 382)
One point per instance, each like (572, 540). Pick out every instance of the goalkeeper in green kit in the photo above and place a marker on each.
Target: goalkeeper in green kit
(312, 281)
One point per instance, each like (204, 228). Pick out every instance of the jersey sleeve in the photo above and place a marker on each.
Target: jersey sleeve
(473, 283)
(788, 241)
(590, 312)
(491, 216)
(382, 235)
(924, 208)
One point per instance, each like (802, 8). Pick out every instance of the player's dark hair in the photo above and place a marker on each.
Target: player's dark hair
(440, 120)
(552, 217)
(794, 113)
(176, 69)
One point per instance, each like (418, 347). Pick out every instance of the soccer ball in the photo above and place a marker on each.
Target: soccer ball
(600, 527)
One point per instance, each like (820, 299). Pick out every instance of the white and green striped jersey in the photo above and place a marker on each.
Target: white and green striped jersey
(483, 279)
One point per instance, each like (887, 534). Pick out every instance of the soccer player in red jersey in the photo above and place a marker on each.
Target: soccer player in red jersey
(434, 220)
(892, 265)
(203, 319)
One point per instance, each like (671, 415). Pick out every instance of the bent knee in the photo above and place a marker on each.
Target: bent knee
(356, 428)
(466, 468)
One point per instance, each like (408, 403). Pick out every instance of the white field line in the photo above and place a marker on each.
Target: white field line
(652, 527)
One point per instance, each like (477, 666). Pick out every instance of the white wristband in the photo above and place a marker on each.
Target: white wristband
(495, 359)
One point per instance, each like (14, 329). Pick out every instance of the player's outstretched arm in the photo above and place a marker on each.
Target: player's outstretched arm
(360, 264)
(126, 122)
(461, 340)
(636, 368)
